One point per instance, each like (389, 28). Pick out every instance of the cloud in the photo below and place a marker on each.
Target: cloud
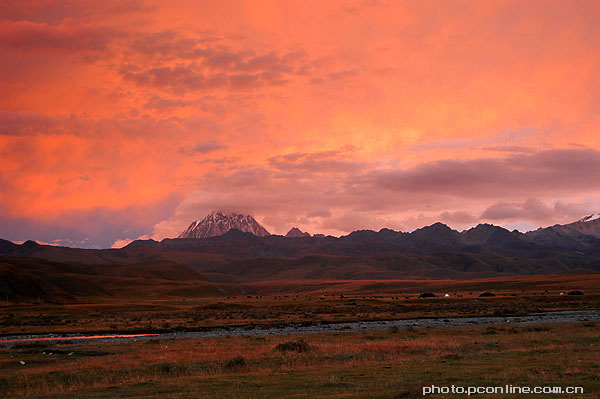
(337, 194)
(166, 44)
(184, 64)
(179, 79)
(319, 213)
(575, 210)
(166, 104)
(457, 217)
(202, 148)
(531, 209)
(548, 172)
(416, 118)
(96, 228)
(31, 36)
(32, 123)
(183, 78)
(510, 149)
(538, 212)
(508, 141)
(47, 11)
(26, 123)
(332, 161)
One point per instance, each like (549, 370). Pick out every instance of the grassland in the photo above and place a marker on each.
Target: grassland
(388, 364)
(304, 303)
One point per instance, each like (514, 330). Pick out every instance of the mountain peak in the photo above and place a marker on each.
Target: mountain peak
(437, 226)
(218, 223)
(589, 218)
(487, 234)
(30, 244)
(438, 233)
(296, 232)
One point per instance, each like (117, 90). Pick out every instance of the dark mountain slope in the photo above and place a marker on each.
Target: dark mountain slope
(23, 279)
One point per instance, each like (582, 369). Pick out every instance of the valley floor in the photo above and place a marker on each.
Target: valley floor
(391, 363)
(384, 364)
(309, 302)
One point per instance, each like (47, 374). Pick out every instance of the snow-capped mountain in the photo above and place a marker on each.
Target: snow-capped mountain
(589, 218)
(589, 225)
(579, 234)
(218, 223)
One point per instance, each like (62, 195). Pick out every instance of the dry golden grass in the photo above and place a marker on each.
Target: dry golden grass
(389, 364)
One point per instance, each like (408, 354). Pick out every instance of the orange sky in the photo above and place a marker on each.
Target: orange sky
(126, 119)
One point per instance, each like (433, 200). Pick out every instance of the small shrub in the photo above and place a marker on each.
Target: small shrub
(374, 338)
(575, 293)
(235, 363)
(536, 328)
(293, 346)
(452, 356)
(427, 295)
(4, 384)
(486, 294)
(164, 368)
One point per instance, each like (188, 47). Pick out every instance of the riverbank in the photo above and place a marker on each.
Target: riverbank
(299, 329)
(390, 363)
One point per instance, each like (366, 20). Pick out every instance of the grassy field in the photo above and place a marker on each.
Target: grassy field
(324, 302)
(389, 364)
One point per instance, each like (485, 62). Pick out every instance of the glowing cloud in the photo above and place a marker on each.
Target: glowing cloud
(127, 119)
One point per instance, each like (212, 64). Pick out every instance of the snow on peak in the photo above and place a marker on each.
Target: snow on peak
(218, 223)
(589, 218)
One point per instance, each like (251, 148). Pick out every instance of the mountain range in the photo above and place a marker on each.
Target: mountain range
(582, 235)
(246, 253)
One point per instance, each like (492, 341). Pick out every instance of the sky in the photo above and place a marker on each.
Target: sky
(126, 119)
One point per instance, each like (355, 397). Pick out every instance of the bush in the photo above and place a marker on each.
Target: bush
(235, 363)
(486, 294)
(164, 368)
(575, 293)
(536, 328)
(427, 295)
(294, 346)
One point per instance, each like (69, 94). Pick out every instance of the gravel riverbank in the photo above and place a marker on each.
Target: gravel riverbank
(294, 329)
